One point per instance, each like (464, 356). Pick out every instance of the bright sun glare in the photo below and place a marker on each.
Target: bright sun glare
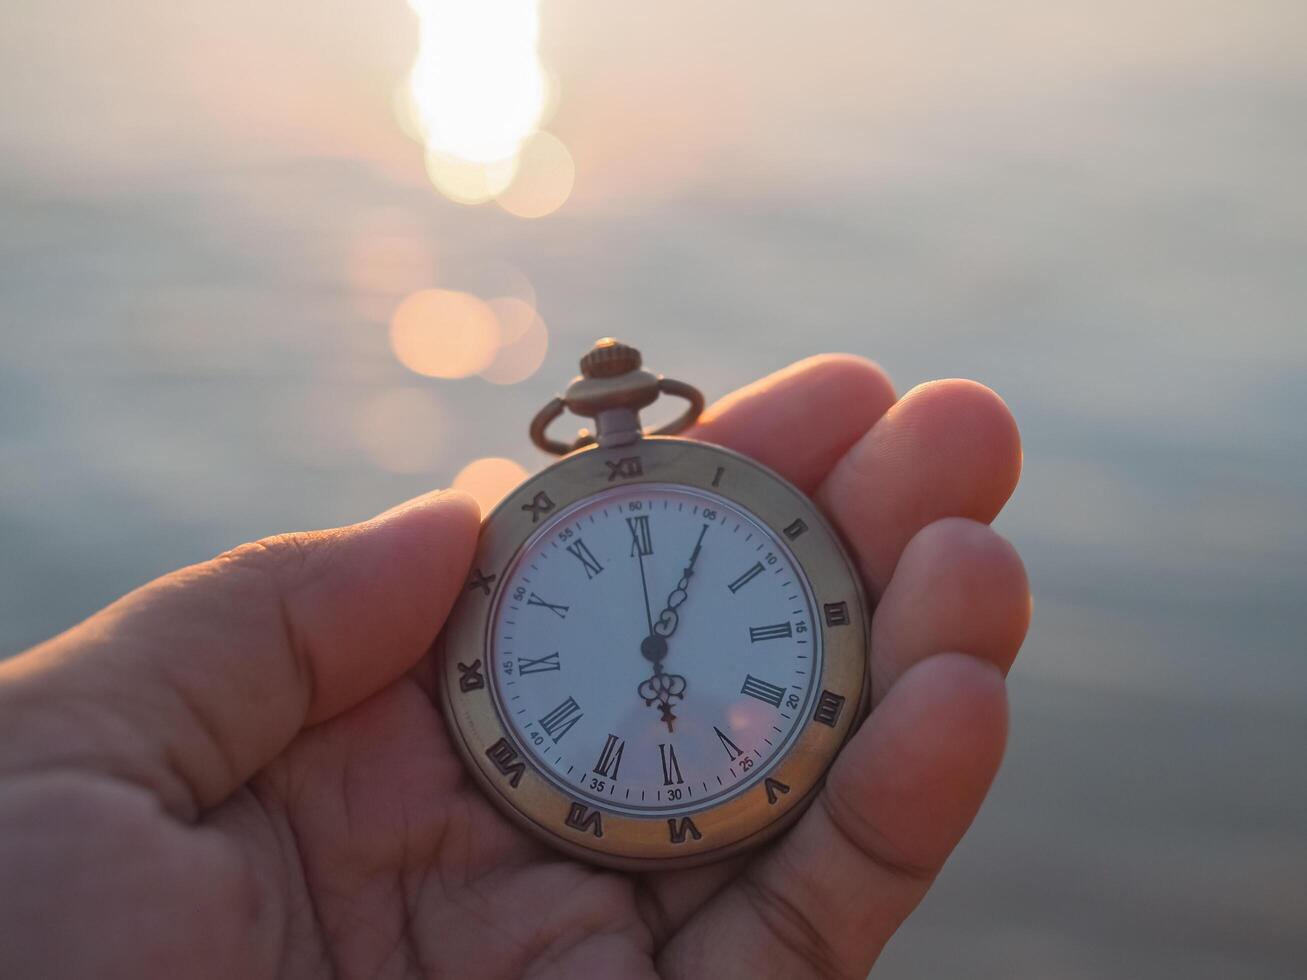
(476, 93)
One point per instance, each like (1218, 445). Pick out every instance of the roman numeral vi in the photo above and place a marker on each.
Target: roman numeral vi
(671, 768)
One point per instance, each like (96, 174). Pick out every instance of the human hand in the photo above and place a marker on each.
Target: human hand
(238, 770)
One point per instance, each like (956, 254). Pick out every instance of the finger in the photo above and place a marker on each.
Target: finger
(799, 421)
(945, 449)
(828, 897)
(958, 586)
(192, 683)
(803, 418)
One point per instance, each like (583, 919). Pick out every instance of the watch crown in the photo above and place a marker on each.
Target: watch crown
(608, 358)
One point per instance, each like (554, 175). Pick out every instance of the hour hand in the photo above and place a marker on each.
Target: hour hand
(668, 619)
(661, 689)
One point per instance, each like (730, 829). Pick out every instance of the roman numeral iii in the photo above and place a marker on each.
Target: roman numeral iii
(779, 631)
(588, 561)
(560, 721)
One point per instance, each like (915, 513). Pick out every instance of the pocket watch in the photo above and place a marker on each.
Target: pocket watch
(662, 645)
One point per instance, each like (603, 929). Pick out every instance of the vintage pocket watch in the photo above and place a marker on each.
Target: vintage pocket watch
(662, 645)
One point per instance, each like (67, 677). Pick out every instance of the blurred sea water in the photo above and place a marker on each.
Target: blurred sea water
(1097, 209)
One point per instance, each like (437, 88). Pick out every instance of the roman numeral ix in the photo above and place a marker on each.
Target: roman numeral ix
(525, 665)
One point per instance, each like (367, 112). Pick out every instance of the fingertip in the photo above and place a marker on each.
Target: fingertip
(801, 419)
(450, 500)
(977, 415)
(958, 585)
(944, 723)
(382, 592)
(857, 383)
(895, 804)
(463, 500)
(863, 381)
(950, 716)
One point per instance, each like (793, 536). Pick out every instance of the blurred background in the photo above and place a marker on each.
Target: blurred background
(278, 265)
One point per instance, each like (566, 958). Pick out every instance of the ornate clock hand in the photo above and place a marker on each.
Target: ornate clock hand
(668, 619)
(662, 687)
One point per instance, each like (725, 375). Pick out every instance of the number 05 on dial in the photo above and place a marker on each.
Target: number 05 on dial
(662, 645)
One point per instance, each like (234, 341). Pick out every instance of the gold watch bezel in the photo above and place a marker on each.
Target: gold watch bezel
(504, 767)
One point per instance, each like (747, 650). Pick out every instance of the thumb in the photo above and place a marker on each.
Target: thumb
(192, 683)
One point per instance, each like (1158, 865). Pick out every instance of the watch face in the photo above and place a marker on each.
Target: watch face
(660, 650)
(652, 649)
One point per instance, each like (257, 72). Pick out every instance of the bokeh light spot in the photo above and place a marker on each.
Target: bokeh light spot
(469, 181)
(545, 174)
(477, 84)
(475, 93)
(524, 341)
(489, 480)
(444, 334)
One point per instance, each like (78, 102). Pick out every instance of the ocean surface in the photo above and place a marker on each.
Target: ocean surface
(207, 217)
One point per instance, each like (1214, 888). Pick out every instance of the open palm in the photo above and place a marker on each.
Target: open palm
(238, 770)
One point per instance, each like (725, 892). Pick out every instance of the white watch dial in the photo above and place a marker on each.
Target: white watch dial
(642, 687)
